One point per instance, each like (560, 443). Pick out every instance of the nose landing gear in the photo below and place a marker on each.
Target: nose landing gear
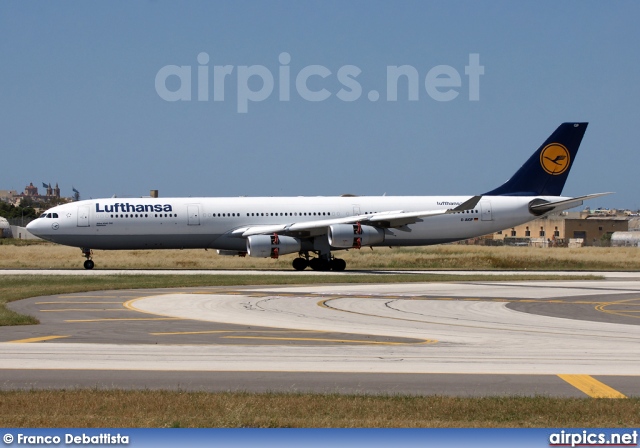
(87, 253)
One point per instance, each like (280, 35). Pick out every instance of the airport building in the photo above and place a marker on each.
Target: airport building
(586, 229)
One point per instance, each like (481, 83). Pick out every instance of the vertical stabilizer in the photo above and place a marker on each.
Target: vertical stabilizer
(546, 171)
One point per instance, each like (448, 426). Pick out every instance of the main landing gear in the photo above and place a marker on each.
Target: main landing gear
(321, 263)
(86, 253)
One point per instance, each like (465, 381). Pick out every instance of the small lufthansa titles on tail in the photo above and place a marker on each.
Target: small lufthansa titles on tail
(125, 207)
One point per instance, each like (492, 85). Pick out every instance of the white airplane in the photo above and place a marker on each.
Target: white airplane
(271, 227)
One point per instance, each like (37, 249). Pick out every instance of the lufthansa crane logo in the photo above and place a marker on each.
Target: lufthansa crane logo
(555, 159)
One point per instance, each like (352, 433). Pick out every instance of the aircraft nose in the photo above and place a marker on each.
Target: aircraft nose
(35, 227)
(32, 226)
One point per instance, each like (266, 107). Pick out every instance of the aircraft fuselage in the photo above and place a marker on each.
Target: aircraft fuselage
(177, 223)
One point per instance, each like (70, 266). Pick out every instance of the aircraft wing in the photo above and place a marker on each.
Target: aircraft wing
(399, 219)
(546, 207)
(385, 219)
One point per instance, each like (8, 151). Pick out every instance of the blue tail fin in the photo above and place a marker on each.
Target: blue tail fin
(546, 171)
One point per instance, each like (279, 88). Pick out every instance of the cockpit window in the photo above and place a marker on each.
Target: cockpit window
(54, 215)
(44, 215)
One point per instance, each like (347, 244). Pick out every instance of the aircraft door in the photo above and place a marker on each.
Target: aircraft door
(83, 216)
(356, 210)
(193, 211)
(485, 211)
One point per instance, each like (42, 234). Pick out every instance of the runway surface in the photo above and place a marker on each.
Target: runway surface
(560, 338)
(290, 273)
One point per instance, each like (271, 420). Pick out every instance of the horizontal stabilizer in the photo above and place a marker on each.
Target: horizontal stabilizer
(539, 208)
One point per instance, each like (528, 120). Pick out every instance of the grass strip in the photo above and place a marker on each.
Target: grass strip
(160, 409)
(43, 255)
(19, 287)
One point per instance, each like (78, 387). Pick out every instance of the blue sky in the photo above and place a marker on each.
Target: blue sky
(79, 104)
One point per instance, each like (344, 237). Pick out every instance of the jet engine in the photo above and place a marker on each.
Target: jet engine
(271, 245)
(346, 236)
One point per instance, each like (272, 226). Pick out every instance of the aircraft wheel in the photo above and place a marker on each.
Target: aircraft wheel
(299, 264)
(88, 264)
(319, 264)
(338, 264)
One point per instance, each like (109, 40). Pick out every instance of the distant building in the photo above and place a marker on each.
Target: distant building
(634, 224)
(559, 230)
(5, 229)
(31, 190)
(51, 195)
(8, 195)
(625, 239)
(52, 192)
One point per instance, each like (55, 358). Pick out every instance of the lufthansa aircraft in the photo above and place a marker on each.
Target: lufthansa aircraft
(270, 227)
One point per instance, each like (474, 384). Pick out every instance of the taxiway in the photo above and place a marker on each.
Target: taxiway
(564, 338)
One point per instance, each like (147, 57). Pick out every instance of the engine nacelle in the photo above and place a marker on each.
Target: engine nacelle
(271, 245)
(346, 236)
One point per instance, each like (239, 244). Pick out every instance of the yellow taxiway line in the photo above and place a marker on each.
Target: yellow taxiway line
(40, 339)
(592, 386)
(344, 341)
